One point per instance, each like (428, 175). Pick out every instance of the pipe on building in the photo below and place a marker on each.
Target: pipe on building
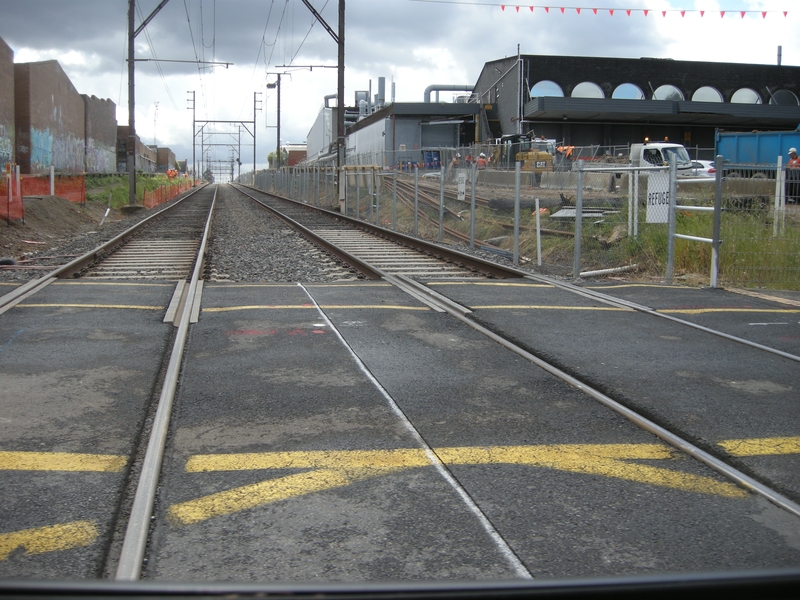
(446, 88)
(329, 97)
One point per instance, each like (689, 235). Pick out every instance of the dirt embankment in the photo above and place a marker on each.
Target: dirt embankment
(48, 222)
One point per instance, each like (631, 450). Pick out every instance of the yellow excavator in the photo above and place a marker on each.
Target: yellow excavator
(535, 154)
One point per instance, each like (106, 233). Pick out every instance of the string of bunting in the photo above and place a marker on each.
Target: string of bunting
(645, 11)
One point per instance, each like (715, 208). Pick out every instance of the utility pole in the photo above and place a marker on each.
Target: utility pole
(194, 138)
(255, 108)
(132, 33)
(339, 39)
(278, 143)
(155, 120)
(131, 148)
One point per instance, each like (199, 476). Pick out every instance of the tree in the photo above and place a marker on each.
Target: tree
(271, 159)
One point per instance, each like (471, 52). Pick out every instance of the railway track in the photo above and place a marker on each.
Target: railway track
(260, 383)
(374, 250)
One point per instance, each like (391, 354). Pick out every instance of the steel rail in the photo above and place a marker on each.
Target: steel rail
(639, 420)
(136, 535)
(465, 260)
(356, 263)
(16, 296)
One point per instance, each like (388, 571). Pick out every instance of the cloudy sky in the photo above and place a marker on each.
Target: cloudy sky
(413, 43)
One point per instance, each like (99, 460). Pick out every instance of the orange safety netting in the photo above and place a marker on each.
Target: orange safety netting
(70, 187)
(11, 203)
(164, 193)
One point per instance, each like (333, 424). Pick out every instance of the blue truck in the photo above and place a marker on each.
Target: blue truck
(755, 153)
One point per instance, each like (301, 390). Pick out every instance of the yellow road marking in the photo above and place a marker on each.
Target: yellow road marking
(264, 492)
(123, 306)
(85, 282)
(48, 539)
(332, 469)
(762, 446)
(551, 307)
(491, 283)
(698, 311)
(300, 306)
(61, 461)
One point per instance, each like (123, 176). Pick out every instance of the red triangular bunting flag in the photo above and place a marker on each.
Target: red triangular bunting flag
(502, 7)
(744, 12)
(683, 13)
(547, 9)
(611, 11)
(764, 15)
(594, 10)
(517, 7)
(531, 9)
(562, 10)
(721, 14)
(702, 12)
(786, 12)
(663, 13)
(645, 12)
(628, 11)
(578, 10)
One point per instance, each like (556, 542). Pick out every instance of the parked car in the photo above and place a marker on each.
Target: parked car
(700, 169)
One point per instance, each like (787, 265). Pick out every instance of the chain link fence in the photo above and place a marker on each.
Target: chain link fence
(613, 224)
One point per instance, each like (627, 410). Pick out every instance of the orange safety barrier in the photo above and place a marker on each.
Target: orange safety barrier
(11, 203)
(70, 187)
(164, 193)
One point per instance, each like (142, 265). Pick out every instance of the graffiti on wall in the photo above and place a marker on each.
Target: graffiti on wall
(99, 158)
(65, 153)
(5, 144)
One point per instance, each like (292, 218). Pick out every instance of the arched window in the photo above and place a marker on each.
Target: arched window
(587, 89)
(745, 96)
(546, 88)
(783, 98)
(628, 91)
(667, 92)
(707, 94)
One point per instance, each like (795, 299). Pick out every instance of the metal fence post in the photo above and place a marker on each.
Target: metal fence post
(715, 241)
(441, 202)
(358, 193)
(538, 233)
(516, 212)
(416, 200)
(576, 259)
(779, 188)
(472, 206)
(671, 218)
(394, 200)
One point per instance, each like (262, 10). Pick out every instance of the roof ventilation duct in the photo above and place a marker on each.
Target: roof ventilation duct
(445, 88)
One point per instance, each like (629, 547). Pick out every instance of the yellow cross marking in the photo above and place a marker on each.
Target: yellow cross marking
(333, 469)
(65, 535)
(61, 461)
(48, 539)
(762, 446)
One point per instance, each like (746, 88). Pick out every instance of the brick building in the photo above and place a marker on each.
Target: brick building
(146, 157)
(7, 151)
(50, 119)
(101, 135)
(165, 159)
